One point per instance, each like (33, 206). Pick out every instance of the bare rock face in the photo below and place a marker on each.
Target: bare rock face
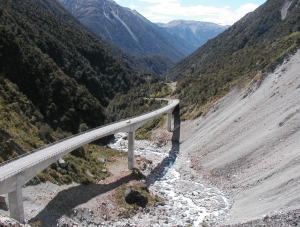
(134, 197)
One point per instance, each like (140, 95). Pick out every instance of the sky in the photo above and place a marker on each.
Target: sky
(216, 11)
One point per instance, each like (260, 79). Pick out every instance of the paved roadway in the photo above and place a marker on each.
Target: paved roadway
(34, 163)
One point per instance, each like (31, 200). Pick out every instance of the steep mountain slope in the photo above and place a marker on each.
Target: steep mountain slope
(265, 23)
(129, 61)
(125, 28)
(193, 33)
(248, 145)
(248, 49)
(78, 53)
(42, 81)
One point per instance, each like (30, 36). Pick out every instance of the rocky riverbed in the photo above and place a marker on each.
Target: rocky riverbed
(186, 201)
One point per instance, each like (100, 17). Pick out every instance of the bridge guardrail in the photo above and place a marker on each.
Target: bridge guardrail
(59, 141)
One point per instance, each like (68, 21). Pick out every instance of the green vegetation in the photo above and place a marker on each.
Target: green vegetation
(23, 130)
(37, 223)
(144, 133)
(204, 224)
(83, 166)
(61, 101)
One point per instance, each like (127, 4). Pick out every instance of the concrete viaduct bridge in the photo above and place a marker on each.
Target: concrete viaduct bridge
(14, 174)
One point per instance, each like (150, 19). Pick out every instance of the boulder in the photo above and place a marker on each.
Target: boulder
(62, 163)
(89, 173)
(104, 171)
(102, 160)
(132, 196)
(143, 167)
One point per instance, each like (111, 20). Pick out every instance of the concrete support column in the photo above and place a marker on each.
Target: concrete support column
(15, 200)
(131, 137)
(169, 124)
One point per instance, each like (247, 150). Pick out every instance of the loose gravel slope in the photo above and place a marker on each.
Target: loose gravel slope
(249, 144)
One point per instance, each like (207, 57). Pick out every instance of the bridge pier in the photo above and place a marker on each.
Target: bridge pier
(16, 209)
(131, 137)
(169, 123)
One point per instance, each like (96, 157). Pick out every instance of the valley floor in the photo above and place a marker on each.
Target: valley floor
(247, 145)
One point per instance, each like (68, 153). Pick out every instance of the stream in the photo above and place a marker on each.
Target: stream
(186, 202)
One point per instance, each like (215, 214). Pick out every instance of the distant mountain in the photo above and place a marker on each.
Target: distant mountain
(193, 33)
(125, 28)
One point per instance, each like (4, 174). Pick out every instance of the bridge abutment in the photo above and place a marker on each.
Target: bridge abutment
(131, 137)
(16, 209)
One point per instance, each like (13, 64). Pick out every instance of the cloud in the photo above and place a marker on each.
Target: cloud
(178, 10)
(133, 7)
(151, 16)
(244, 9)
(233, 17)
(221, 15)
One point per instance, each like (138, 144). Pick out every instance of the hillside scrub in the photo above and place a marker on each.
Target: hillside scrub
(62, 102)
(138, 101)
(23, 129)
(218, 77)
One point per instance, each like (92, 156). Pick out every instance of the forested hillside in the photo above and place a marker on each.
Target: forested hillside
(76, 52)
(248, 49)
(138, 100)
(56, 78)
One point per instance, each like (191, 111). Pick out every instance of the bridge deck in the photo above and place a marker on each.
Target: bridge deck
(62, 148)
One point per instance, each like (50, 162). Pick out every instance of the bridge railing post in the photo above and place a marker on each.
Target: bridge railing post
(131, 138)
(16, 209)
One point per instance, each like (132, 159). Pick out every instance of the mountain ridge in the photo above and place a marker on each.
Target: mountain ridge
(112, 21)
(193, 33)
